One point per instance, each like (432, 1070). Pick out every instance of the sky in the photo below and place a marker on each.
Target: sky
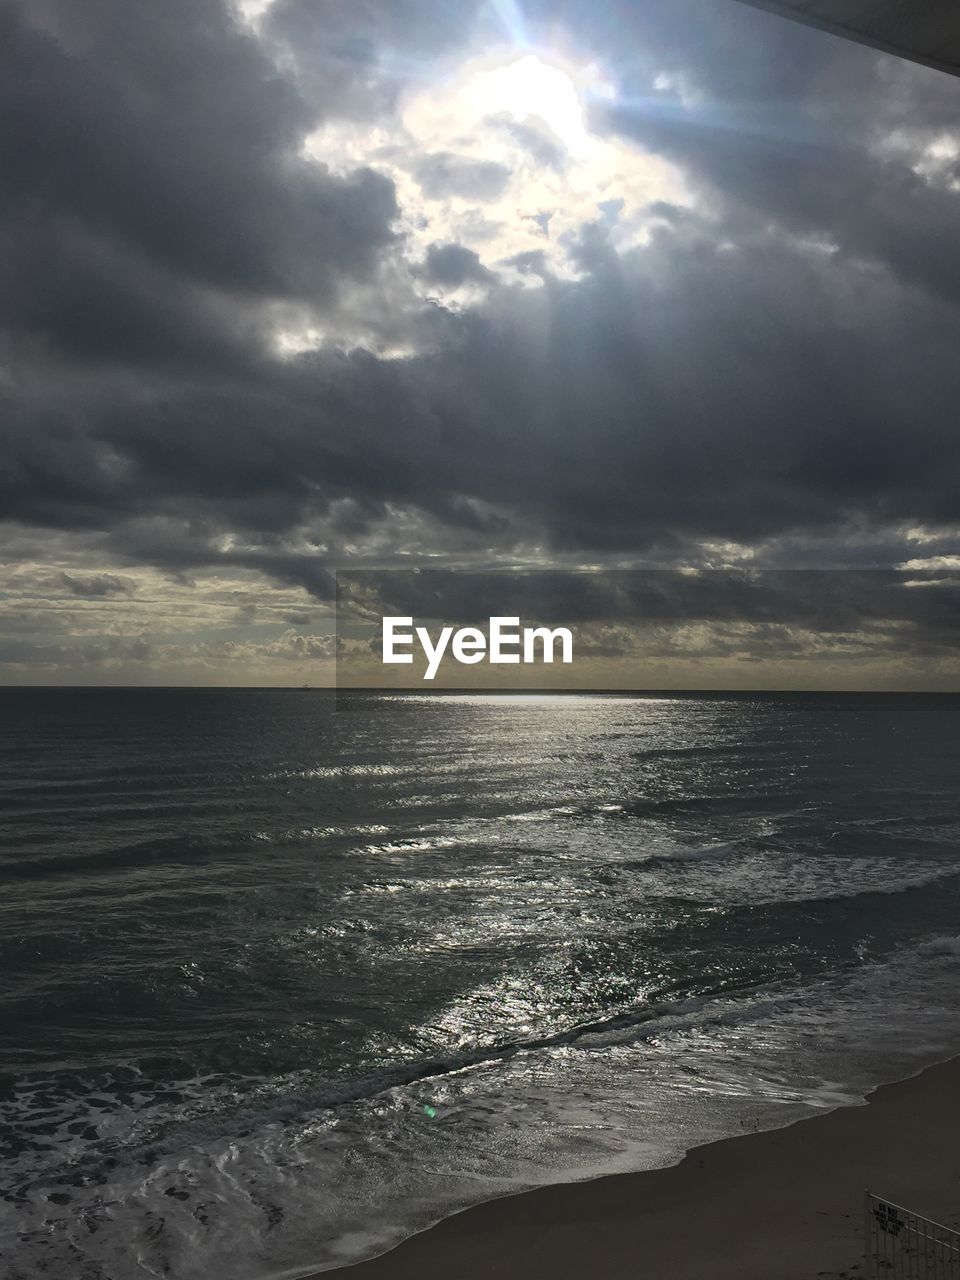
(308, 285)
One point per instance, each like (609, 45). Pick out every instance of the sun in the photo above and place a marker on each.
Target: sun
(529, 88)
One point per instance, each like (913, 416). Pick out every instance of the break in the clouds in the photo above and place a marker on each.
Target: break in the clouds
(297, 285)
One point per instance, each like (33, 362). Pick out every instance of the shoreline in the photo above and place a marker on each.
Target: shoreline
(784, 1203)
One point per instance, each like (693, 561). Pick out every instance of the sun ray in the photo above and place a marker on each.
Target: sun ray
(510, 15)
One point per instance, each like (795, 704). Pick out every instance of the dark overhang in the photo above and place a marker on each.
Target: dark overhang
(926, 31)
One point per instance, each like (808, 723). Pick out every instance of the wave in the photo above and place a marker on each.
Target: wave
(299, 835)
(272, 1174)
(727, 1006)
(319, 771)
(227, 844)
(167, 849)
(945, 946)
(698, 853)
(640, 1022)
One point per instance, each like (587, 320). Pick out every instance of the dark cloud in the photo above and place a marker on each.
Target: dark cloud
(353, 57)
(153, 190)
(817, 600)
(789, 124)
(535, 137)
(451, 265)
(443, 174)
(40, 655)
(669, 402)
(96, 586)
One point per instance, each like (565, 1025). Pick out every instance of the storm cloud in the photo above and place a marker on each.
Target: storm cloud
(265, 314)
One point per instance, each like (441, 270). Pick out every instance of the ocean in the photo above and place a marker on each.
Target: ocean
(287, 977)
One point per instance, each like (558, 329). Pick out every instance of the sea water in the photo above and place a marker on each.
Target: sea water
(286, 977)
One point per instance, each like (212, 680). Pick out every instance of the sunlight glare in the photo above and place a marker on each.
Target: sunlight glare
(530, 88)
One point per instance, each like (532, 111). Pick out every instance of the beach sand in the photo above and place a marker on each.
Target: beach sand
(780, 1205)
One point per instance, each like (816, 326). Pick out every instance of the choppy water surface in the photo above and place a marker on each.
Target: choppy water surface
(247, 938)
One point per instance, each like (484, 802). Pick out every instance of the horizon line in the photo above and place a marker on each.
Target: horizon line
(466, 689)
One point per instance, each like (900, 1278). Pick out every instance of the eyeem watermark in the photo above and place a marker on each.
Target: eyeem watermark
(504, 643)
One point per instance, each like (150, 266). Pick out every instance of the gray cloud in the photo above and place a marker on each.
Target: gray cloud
(354, 59)
(43, 656)
(96, 586)
(536, 138)
(153, 192)
(443, 174)
(452, 265)
(816, 600)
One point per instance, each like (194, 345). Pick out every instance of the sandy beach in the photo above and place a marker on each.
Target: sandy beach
(779, 1205)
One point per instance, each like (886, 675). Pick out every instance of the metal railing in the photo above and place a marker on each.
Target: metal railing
(901, 1245)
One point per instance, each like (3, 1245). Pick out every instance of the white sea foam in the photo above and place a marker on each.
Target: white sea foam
(298, 1186)
(947, 946)
(323, 771)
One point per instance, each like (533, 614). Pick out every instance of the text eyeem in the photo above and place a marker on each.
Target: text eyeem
(504, 642)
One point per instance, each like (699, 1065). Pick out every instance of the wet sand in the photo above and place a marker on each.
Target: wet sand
(780, 1205)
